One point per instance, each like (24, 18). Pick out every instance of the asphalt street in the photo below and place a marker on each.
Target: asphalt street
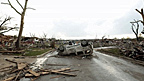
(101, 67)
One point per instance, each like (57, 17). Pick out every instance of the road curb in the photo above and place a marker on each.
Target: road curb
(38, 56)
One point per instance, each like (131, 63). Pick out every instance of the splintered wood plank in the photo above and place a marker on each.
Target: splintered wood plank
(63, 73)
(15, 70)
(62, 69)
(44, 73)
(9, 79)
(31, 75)
(28, 75)
(21, 65)
(34, 73)
(5, 70)
(71, 71)
(17, 76)
(11, 61)
(56, 77)
(6, 67)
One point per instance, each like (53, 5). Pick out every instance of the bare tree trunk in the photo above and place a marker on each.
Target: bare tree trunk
(142, 14)
(137, 37)
(18, 43)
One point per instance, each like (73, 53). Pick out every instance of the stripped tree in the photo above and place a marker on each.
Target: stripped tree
(44, 35)
(22, 14)
(142, 21)
(135, 28)
(4, 28)
(32, 35)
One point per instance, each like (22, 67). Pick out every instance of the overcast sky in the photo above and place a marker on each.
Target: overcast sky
(76, 19)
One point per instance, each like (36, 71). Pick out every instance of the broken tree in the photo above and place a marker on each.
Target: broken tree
(22, 14)
(4, 28)
(142, 21)
(142, 14)
(135, 29)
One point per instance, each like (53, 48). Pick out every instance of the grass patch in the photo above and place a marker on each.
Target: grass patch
(36, 51)
(111, 51)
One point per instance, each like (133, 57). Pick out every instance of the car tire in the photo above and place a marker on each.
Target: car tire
(84, 43)
(61, 48)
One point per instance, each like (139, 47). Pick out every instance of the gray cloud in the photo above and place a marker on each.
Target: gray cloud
(70, 28)
(122, 25)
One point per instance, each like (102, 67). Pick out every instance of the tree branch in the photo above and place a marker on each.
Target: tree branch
(25, 7)
(142, 11)
(31, 8)
(6, 19)
(137, 25)
(8, 30)
(14, 7)
(138, 11)
(136, 21)
(137, 28)
(19, 4)
(4, 3)
(133, 30)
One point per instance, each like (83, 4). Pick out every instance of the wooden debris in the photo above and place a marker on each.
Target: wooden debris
(71, 71)
(21, 65)
(17, 76)
(34, 73)
(44, 73)
(5, 70)
(13, 71)
(27, 72)
(9, 79)
(20, 57)
(63, 73)
(55, 77)
(11, 61)
(45, 70)
(6, 67)
(60, 70)
(56, 64)
(28, 75)
(41, 73)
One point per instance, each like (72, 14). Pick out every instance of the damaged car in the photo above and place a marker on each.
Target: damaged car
(83, 48)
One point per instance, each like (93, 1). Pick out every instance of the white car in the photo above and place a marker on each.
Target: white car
(83, 48)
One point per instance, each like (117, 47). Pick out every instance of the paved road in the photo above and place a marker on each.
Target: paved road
(101, 67)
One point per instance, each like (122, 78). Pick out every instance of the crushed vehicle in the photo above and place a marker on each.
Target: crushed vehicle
(83, 48)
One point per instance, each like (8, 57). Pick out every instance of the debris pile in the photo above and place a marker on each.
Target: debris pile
(23, 70)
(133, 50)
(7, 44)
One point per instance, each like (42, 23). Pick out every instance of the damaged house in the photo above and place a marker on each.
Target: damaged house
(7, 42)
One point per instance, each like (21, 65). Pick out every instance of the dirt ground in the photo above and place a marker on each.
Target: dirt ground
(31, 59)
(4, 63)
